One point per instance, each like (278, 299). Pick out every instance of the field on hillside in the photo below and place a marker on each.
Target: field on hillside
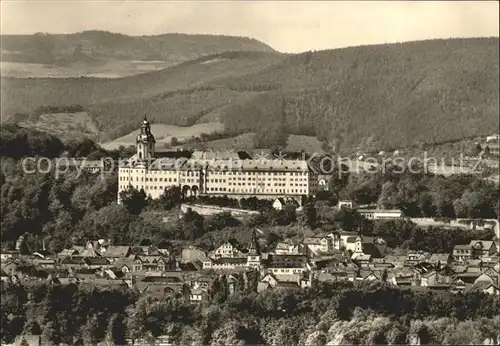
(164, 134)
(65, 125)
(309, 144)
(109, 69)
(241, 142)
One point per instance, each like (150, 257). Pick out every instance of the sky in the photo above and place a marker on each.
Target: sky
(292, 27)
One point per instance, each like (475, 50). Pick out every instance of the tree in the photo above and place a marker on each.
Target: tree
(51, 333)
(174, 141)
(111, 222)
(384, 276)
(91, 330)
(289, 214)
(396, 335)
(478, 149)
(133, 200)
(24, 248)
(339, 178)
(32, 328)
(272, 239)
(170, 197)
(388, 196)
(191, 226)
(350, 219)
(220, 221)
(427, 208)
(116, 330)
(418, 333)
(310, 215)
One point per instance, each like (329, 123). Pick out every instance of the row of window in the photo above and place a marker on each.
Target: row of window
(174, 180)
(229, 265)
(269, 184)
(196, 173)
(139, 268)
(170, 180)
(216, 180)
(223, 189)
(173, 171)
(190, 173)
(295, 271)
(146, 188)
(257, 173)
(270, 179)
(244, 190)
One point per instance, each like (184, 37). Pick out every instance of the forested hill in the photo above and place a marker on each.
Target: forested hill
(366, 98)
(95, 46)
(376, 97)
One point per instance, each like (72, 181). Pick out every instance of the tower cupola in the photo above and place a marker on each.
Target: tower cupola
(145, 141)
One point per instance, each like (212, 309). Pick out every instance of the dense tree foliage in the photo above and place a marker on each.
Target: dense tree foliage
(43, 206)
(67, 314)
(425, 195)
(315, 105)
(18, 142)
(359, 313)
(406, 235)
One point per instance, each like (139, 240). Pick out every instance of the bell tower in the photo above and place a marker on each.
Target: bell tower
(145, 142)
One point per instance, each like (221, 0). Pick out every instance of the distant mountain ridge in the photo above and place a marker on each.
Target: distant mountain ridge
(97, 46)
(360, 98)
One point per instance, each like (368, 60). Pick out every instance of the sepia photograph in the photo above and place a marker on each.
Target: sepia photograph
(245, 172)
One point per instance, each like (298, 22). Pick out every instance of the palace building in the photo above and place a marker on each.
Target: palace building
(198, 173)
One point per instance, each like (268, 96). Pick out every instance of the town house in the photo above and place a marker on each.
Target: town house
(225, 263)
(462, 253)
(440, 259)
(381, 214)
(281, 203)
(417, 257)
(228, 249)
(114, 253)
(153, 263)
(286, 264)
(373, 246)
(319, 245)
(272, 281)
(435, 279)
(482, 249)
(290, 249)
(347, 240)
(336, 240)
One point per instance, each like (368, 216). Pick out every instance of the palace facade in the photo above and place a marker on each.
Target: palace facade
(199, 173)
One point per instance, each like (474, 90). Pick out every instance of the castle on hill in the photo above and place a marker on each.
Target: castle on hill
(234, 175)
